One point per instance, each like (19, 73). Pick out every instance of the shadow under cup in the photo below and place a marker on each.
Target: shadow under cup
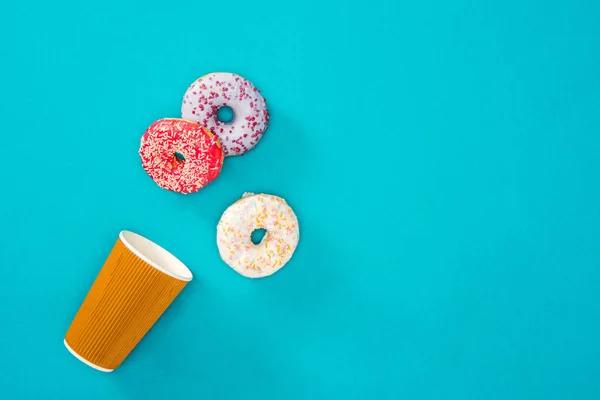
(137, 283)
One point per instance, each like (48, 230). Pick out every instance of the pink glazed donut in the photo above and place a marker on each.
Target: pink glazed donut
(205, 96)
(180, 155)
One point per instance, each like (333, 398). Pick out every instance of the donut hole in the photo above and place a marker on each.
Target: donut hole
(179, 157)
(257, 235)
(225, 114)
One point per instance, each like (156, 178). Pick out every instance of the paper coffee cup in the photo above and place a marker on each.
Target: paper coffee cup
(137, 283)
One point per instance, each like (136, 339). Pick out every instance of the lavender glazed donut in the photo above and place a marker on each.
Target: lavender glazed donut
(208, 94)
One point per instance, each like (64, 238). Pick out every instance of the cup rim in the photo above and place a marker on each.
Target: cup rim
(156, 256)
(83, 360)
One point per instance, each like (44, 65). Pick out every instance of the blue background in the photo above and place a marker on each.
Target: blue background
(442, 158)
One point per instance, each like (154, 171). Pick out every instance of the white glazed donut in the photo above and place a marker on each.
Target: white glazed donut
(251, 212)
(205, 96)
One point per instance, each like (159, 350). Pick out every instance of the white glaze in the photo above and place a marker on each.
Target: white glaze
(252, 212)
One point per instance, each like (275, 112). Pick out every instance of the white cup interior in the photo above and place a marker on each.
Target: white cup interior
(155, 255)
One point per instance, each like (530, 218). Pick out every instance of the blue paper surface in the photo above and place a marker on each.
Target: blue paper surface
(442, 158)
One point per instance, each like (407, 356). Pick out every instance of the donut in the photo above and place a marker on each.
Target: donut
(180, 155)
(251, 212)
(205, 96)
